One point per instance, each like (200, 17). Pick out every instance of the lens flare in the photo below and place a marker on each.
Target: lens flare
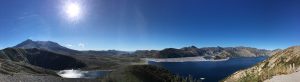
(73, 10)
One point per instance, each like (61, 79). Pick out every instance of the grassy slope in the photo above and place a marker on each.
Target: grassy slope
(283, 62)
(11, 67)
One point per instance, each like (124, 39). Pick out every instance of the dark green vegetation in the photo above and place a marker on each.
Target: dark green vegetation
(96, 62)
(283, 62)
(146, 73)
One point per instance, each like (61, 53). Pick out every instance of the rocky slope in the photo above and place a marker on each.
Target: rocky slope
(11, 67)
(191, 51)
(11, 71)
(283, 62)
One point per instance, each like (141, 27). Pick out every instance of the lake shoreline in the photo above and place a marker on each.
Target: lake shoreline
(92, 74)
(210, 70)
(183, 59)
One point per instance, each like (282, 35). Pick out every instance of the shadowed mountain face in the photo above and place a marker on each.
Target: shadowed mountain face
(59, 57)
(11, 67)
(283, 62)
(55, 47)
(41, 58)
(46, 45)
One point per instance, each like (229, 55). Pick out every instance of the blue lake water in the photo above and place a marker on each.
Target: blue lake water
(212, 71)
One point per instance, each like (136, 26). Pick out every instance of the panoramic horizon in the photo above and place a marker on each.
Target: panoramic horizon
(140, 25)
(149, 40)
(132, 50)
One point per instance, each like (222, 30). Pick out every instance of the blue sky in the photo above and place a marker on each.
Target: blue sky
(152, 24)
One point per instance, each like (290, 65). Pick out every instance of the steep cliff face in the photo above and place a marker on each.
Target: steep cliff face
(41, 58)
(283, 62)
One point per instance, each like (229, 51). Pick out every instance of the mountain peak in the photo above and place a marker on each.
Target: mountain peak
(28, 40)
(45, 45)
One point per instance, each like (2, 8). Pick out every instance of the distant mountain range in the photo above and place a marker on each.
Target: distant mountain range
(42, 57)
(283, 62)
(51, 55)
(220, 52)
(55, 47)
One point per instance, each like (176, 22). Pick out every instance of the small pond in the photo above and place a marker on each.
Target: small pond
(83, 74)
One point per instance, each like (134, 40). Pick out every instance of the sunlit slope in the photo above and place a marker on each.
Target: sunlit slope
(283, 62)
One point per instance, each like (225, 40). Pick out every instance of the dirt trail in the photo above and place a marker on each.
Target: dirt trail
(293, 77)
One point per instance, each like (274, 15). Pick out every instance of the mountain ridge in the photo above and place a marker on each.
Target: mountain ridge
(57, 48)
(41, 58)
(46, 45)
(220, 52)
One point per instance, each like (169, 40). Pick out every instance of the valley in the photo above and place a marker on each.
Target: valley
(39, 59)
(149, 41)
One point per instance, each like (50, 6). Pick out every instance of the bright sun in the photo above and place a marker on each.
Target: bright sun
(73, 10)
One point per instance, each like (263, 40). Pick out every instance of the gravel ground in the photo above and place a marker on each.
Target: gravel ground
(293, 77)
(40, 78)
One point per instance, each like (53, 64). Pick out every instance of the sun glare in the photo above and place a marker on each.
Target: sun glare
(73, 10)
